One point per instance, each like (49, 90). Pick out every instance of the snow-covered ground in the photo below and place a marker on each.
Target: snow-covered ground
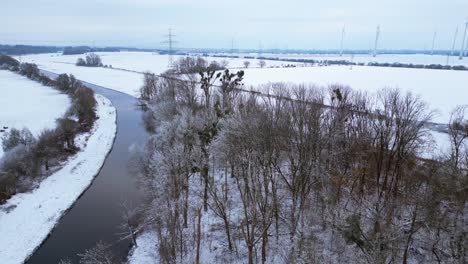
(126, 82)
(25, 103)
(147, 251)
(140, 61)
(27, 218)
(122, 81)
(441, 89)
(381, 58)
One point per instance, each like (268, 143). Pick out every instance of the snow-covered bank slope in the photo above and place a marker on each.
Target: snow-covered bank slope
(26, 103)
(147, 250)
(32, 216)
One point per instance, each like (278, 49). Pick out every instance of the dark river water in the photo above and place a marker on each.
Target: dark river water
(97, 214)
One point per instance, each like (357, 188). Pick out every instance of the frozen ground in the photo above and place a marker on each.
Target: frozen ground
(441, 89)
(147, 251)
(25, 103)
(126, 82)
(122, 81)
(20, 236)
(381, 58)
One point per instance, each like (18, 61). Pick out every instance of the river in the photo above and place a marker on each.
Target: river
(97, 214)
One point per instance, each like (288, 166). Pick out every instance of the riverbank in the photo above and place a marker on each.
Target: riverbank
(27, 218)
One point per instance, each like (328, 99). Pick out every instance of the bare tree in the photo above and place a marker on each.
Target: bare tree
(149, 89)
(99, 254)
(458, 132)
(261, 63)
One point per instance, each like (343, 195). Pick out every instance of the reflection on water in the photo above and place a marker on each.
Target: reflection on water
(97, 213)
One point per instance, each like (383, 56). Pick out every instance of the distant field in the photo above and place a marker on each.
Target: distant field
(442, 89)
(380, 58)
(28, 104)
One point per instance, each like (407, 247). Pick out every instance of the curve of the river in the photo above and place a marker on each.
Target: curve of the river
(97, 214)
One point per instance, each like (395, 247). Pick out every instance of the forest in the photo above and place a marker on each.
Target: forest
(288, 173)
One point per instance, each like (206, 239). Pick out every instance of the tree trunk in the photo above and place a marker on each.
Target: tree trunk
(197, 259)
(250, 249)
(228, 233)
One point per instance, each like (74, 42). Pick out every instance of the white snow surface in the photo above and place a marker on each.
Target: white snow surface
(122, 81)
(26, 103)
(425, 59)
(147, 250)
(32, 216)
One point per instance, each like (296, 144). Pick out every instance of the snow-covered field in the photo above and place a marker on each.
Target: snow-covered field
(380, 58)
(122, 81)
(140, 61)
(27, 218)
(441, 89)
(126, 82)
(25, 103)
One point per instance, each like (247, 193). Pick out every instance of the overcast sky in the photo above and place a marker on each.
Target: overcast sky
(300, 24)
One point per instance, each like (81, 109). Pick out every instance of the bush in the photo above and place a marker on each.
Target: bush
(84, 105)
(91, 60)
(15, 137)
(14, 165)
(67, 129)
(48, 147)
(30, 70)
(63, 83)
(8, 61)
(80, 62)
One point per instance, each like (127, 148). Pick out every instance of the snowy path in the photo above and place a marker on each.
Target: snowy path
(32, 216)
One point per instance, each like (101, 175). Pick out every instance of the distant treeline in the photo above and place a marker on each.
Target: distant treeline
(86, 49)
(345, 62)
(25, 49)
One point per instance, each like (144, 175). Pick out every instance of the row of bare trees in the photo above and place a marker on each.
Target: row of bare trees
(303, 175)
(27, 158)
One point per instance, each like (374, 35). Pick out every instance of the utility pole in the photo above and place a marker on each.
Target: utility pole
(377, 35)
(462, 49)
(342, 40)
(433, 42)
(170, 41)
